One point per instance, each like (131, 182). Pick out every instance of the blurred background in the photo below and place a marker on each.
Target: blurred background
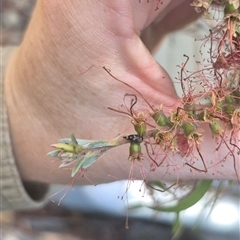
(98, 212)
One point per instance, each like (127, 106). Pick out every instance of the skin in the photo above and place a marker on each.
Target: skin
(55, 83)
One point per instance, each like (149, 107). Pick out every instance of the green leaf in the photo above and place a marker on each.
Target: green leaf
(187, 202)
(79, 141)
(90, 158)
(54, 153)
(100, 144)
(73, 140)
(177, 227)
(90, 144)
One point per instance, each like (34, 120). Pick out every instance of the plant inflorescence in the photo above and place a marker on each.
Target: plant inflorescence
(211, 96)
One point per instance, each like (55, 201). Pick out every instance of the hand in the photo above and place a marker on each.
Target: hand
(55, 83)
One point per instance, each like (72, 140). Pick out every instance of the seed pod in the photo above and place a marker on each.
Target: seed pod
(158, 137)
(208, 116)
(229, 99)
(154, 133)
(201, 5)
(160, 118)
(178, 117)
(190, 109)
(188, 128)
(166, 140)
(200, 116)
(139, 123)
(236, 95)
(229, 109)
(230, 8)
(135, 152)
(235, 120)
(220, 105)
(140, 128)
(216, 128)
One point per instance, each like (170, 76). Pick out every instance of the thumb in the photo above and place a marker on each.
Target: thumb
(145, 74)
